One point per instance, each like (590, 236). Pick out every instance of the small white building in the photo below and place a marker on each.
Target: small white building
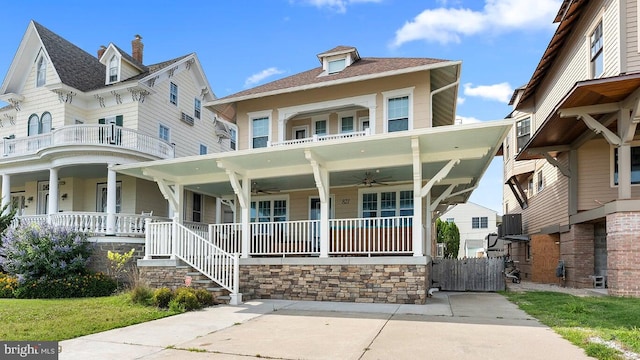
(475, 222)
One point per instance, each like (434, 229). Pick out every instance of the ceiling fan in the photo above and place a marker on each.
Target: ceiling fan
(370, 179)
(258, 190)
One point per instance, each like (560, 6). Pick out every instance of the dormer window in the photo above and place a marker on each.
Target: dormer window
(113, 69)
(336, 65)
(41, 77)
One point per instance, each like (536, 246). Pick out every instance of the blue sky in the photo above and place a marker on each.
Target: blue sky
(246, 43)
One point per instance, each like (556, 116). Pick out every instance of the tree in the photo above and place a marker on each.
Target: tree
(448, 234)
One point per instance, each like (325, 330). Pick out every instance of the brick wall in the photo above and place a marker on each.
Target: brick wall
(401, 283)
(623, 249)
(577, 251)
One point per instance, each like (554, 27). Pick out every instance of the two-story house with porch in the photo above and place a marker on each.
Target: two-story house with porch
(572, 164)
(338, 175)
(71, 115)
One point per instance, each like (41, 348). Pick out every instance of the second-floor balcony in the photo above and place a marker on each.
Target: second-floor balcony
(89, 135)
(318, 138)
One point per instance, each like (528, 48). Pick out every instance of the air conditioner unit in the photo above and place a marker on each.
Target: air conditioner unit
(511, 225)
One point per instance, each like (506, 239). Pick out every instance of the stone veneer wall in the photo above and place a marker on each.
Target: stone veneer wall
(98, 260)
(367, 283)
(623, 252)
(577, 251)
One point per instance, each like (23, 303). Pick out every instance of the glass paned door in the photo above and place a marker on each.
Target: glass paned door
(43, 197)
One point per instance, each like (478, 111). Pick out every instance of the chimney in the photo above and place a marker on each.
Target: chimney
(136, 48)
(101, 51)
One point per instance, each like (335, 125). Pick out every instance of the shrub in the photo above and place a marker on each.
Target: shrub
(162, 297)
(71, 286)
(204, 298)
(142, 295)
(186, 297)
(42, 251)
(175, 306)
(7, 285)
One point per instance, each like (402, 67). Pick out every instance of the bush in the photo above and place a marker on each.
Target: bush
(37, 251)
(186, 297)
(71, 286)
(162, 297)
(204, 298)
(7, 285)
(141, 295)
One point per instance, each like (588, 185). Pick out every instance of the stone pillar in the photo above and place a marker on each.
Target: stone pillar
(53, 192)
(577, 251)
(111, 201)
(6, 189)
(623, 252)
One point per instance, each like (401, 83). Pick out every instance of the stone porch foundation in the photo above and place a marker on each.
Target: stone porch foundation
(102, 245)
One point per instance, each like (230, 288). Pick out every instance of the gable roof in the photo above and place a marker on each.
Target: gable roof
(130, 58)
(74, 66)
(311, 78)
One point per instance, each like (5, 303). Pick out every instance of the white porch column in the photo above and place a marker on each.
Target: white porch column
(417, 242)
(372, 120)
(325, 202)
(6, 190)
(111, 201)
(218, 210)
(245, 216)
(428, 225)
(179, 194)
(53, 192)
(624, 171)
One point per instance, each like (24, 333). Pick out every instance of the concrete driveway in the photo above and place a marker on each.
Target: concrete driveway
(450, 326)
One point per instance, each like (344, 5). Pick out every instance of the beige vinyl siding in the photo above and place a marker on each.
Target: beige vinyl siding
(631, 36)
(612, 37)
(208, 211)
(375, 86)
(128, 110)
(157, 110)
(149, 198)
(126, 70)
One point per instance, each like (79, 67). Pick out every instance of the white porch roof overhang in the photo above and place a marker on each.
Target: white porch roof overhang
(452, 160)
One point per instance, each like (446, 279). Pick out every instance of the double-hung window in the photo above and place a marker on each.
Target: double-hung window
(173, 93)
(197, 108)
(398, 113)
(232, 138)
(346, 124)
(635, 165)
(597, 53)
(196, 213)
(164, 133)
(523, 132)
(321, 127)
(481, 222)
(113, 69)
(260, 133)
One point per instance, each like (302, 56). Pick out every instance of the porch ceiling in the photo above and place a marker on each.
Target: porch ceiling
(389, 156)
(556, 131)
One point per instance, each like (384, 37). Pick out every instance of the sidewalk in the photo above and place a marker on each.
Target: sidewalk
(450, 326)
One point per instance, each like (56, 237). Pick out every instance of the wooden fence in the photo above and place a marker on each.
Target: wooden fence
(475, 274)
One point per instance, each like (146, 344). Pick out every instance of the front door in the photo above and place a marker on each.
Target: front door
(43, 197)
(101, 197)
(17, 201)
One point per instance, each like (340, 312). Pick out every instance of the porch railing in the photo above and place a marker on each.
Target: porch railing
(94, 223)
(285, 238)
(104, 135)
(317, 138)
(226, 236)
(383, 235)
(198, 228)
(173, 239)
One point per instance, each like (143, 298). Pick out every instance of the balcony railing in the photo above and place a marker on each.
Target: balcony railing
(102, 135)
(93, 223)
(318, 138)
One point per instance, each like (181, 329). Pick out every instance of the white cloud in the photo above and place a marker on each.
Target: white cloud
(258, 77)
(461, 100)
(499, 92)
(462, 120)
(339, 6)
(445, 25)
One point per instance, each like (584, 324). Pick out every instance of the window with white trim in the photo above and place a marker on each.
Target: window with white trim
(450, 220)
(260, 132)
(523, 132)
(197, 108)
(164, 133)
(387, 203)
(597, 51)
(232, 138)
(196, 208)
(173, 93)
(635, 165)
(269, 210)
(113, 69)
(203, 149)
(337, 65)
(398, 114)
(346, 124)
(39, 124)
(481, 222)
(540, 181)
(41, 71)
(321, 127)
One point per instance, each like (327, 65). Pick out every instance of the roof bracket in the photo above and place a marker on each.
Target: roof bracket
(555, 163)
(442, 196)
(439, 176)
(518, 192)
(598, 128)
(320, 174)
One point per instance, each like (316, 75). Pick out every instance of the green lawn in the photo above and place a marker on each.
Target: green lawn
(60, 319)
(584, 320)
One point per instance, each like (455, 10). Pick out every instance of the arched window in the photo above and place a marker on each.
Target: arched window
(113, 69)
(41, 78)
(34, 125)
(45, 123)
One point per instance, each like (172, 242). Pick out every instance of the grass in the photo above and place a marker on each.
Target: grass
(584, 320)
(61, 319)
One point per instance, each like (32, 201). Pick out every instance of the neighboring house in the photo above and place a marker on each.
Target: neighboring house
(474, 222)
(572, 164)
(338, 173)
(72, 115)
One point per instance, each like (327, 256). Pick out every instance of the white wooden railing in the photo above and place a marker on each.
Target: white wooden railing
(317, 138)
(285, 238)
(228, 237)
(198, 228)
(94, 223)
(104, 135)
(382, 235)
(173, 239)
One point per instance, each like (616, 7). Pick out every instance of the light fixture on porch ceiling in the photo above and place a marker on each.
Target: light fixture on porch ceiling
(369, 179)
(258, 190)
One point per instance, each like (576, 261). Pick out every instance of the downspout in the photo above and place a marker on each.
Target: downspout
(436, 91)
